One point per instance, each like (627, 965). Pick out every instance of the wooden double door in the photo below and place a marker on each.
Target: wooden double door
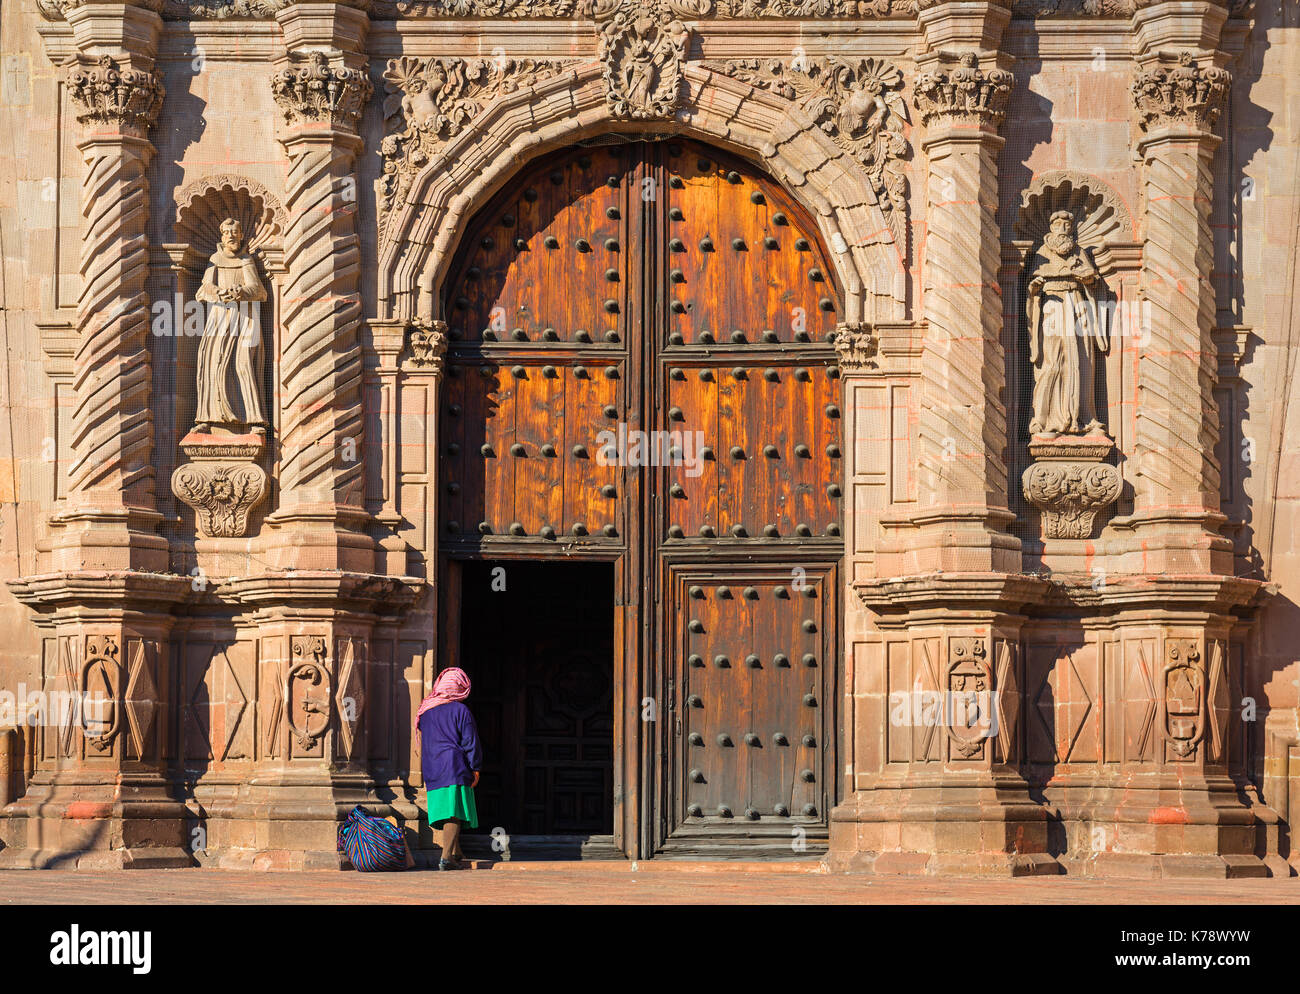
(641, 374)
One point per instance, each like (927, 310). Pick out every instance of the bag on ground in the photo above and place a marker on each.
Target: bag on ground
(371, 843)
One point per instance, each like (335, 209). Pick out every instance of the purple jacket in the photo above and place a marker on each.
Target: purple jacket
(449, 747)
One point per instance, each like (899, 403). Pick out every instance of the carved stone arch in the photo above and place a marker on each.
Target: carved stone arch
(201, 206)
(757, 124)
(1101, 217)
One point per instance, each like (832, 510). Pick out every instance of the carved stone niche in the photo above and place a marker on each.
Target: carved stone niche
(223, 481)
(1065, 220)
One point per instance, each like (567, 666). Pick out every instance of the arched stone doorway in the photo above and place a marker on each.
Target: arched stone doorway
(640, 378)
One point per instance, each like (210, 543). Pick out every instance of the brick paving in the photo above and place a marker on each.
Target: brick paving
(577, 883)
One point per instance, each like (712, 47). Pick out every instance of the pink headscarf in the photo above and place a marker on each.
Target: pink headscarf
(452, 685)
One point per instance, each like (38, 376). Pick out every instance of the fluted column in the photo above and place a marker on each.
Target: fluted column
(116, 93)
(1177, 96)
(322, 514)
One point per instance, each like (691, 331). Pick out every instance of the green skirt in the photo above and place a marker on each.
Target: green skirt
(456, 802)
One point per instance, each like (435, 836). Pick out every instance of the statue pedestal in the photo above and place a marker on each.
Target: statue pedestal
(1070, 481)
(223, 482)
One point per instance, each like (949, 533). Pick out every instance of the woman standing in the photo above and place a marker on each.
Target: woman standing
(450, 758)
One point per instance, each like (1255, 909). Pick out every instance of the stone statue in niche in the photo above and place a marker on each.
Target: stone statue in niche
(1065, 333)
(230, 352)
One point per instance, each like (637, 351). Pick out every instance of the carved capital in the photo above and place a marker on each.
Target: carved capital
(963, 95)
(1069, 494)
(859, 103)
(426, 344)
(1179, 93)
(319, 93)
(222, 495)
(857, 346)
(107, 96)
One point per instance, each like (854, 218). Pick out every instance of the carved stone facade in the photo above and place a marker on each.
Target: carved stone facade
(1080, 554)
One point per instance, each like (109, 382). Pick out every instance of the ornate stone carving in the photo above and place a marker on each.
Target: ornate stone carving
(230, 352)
(1065, 332)
(859, 103)
(106, 95)
(426, 344)
(319, 93)
(963, 95)
(429, 101)
(1070, 484)
(969, 698)
(1074, 8)
(1099, 214)
(307, 690)
(857, 346)
(1182, 94)
(393, 9)
(222, 495)
(100, 678)
(643, 49)
(1184, 697)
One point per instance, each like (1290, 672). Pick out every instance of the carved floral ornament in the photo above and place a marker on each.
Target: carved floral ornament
(859, 104)
(642, 50)
(317, 92)
(222, 495)
(964, 94)
(1070, 494)
(1179, 93)
(857, 347)
(106, 95)
(426, 344)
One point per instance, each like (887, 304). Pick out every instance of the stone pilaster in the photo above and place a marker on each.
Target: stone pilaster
(110, 516)
(1178, 91)
(321, 92)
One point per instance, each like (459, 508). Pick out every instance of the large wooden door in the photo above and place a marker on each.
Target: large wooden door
(667, 289)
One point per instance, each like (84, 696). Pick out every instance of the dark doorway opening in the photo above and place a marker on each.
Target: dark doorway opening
(537, 640)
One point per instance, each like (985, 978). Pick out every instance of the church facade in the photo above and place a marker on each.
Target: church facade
(854, 430)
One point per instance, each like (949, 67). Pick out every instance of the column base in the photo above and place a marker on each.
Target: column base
(987, 829)
(73, 824)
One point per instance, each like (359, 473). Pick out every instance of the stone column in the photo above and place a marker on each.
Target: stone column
(99, 796)
(321, 92)
(110, 516)
(1178, 92)
(935, 676)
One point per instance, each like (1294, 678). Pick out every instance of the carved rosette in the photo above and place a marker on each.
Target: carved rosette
(857, 347)
(1179, 95)
(107, 96)
(222, 495)
(964, 95)
(1069, 483)
(426, 344)
(319, 93)
(642, 49)
(427, 102)
(859, 104)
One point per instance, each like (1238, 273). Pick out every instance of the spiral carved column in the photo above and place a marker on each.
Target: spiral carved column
(1177, 494)
(321, 477)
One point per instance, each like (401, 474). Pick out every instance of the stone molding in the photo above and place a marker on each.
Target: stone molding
(106, 95)
(1179, 93)
(963, 95)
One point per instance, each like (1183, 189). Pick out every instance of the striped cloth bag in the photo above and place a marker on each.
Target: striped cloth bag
(371, 843)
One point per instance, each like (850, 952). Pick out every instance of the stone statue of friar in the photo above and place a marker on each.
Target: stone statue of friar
(230, 353)
(1065, 333)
